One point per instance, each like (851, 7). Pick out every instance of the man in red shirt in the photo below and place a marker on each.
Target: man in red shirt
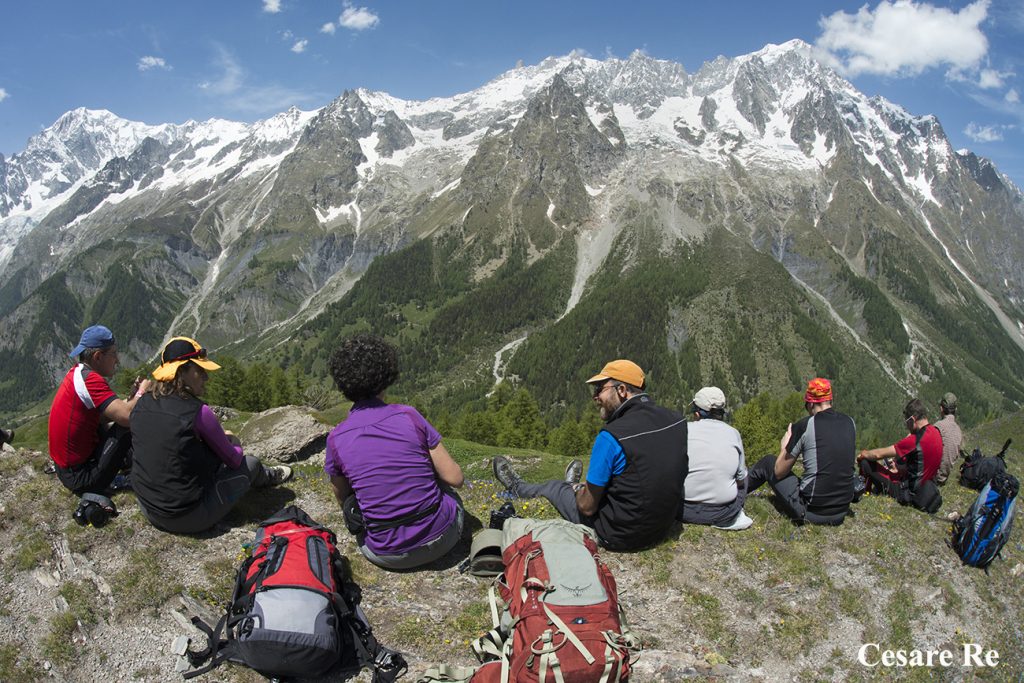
(87, 453)
(911, 461)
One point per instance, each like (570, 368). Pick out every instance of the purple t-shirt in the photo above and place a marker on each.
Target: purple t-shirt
(383, 451)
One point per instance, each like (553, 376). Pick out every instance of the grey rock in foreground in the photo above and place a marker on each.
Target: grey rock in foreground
(285, 434)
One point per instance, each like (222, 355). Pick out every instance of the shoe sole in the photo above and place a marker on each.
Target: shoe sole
(573, 480)
(494, 470)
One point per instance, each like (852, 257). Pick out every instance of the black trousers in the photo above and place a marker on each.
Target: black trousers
(878, 482)
(112, 454)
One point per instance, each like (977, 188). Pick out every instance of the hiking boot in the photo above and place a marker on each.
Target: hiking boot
(121, 482)
(574, 471)
(278, 474)
(505, 475)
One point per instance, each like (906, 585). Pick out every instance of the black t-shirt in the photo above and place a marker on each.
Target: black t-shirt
(827, 442)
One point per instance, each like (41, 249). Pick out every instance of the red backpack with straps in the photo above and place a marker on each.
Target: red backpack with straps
(562, 621)
(295, 610)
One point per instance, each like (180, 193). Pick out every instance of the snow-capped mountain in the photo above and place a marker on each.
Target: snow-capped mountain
(244, 232)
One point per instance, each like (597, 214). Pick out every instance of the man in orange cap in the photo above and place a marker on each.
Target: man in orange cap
(826, 440)
(637, 466)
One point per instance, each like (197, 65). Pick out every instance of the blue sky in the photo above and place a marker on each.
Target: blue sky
(248, 59)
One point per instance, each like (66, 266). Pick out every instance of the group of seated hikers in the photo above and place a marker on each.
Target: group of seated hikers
(395, 481)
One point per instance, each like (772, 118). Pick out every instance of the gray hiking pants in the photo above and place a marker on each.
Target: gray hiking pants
(787, 492)
(218, 497)
(424, 554)
(560, 494)
(712, 515)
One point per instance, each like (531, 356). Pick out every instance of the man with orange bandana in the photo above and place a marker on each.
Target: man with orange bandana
(825, 440)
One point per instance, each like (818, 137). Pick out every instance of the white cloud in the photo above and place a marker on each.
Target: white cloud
(287, 35)
(358, 18)
(993, 133)
(300, 46)
(904, 38)
(272, 6)
(231, 76)
(990, 78)
(1012, 96)
(239, 95)
(148, 62)
(329, 28)
(3, 95)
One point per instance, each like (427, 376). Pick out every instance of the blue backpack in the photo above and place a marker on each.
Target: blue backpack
(979, 535)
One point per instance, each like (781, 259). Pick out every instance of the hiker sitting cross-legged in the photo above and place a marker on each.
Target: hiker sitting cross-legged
(902, 469)
(188, 472)
(826, 441)
(88, 426)
(389, 470)
(637, 467)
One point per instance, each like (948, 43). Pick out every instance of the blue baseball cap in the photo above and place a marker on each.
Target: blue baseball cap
(95, 337)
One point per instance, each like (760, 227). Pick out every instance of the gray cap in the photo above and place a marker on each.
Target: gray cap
(710, 398)
(948, 401)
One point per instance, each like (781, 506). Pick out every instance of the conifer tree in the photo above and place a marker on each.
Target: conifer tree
(225, 385)
(256, 391)
(520, 424)
(281, 393)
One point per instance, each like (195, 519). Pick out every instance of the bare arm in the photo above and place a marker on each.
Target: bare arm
(877, 453)
(120, 411)
(448, 471)
(784, 461)
(342, 489)
(588, 497)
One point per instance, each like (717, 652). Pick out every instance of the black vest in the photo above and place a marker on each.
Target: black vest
(640, 504)
(170, 465)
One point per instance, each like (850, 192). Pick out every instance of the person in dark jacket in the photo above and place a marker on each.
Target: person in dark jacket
(632, 490)
(188, 472)
(826, 442)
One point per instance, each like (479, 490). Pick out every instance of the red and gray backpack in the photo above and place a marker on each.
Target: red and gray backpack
(294, 611)
(561, 621)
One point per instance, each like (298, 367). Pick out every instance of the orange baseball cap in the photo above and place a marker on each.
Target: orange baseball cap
(819, 390)
(622, 370)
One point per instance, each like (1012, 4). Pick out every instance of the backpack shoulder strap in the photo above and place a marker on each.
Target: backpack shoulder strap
(216, 652)
(1002, 453)
(387, 664)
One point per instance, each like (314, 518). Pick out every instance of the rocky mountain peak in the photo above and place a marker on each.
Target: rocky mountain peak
(981, 169)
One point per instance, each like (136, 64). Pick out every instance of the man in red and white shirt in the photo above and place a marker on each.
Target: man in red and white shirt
(86, 452)
(915, 458)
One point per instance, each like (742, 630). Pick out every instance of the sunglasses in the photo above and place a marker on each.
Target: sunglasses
(197, 353)
(602, 387)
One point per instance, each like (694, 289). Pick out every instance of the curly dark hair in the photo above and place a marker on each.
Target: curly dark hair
(364, 366)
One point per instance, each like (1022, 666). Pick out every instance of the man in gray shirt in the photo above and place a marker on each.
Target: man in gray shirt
(716, 483)
(952, 437)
